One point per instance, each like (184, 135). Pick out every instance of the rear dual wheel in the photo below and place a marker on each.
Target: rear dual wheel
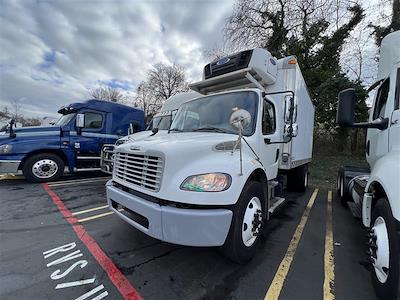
(247, 222)
(341, 187)
(297, 179)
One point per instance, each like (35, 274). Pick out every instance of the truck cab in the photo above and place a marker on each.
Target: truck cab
(374, 196)
(75, 140)
(214, 178)
(158, 125)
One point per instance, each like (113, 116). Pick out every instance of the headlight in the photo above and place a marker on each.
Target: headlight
(210, 182)
(4, 149)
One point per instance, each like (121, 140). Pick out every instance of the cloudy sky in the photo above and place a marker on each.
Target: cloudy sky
(52, 52)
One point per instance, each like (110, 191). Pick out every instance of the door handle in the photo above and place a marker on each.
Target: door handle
(394, 122)
(367, 147)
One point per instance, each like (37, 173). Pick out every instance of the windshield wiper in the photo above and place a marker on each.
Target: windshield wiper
(214, 129)
(175, 129)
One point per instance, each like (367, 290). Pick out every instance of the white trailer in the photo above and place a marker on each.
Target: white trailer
(375, 196)
(215, 177)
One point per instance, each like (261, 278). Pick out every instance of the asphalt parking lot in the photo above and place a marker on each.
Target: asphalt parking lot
(59, 241)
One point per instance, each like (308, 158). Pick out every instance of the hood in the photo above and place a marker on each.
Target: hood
(178, 144)
(33, 129)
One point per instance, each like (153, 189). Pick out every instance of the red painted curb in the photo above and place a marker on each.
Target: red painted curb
(114, 274)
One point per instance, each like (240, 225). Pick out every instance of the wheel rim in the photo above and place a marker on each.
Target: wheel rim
(44, 168)
(252, 221)
(379, 249)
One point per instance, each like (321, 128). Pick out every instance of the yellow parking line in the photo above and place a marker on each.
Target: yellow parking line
(97, 216)
(280, 276)
(88, 210)
(10, 177)
(329, 264)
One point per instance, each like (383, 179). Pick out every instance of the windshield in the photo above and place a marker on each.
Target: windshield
(64, 120)
(212, 113)
(162, 123)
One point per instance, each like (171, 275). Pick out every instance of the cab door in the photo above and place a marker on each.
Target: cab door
(89, 141)
(269, 151)
(394, 123)
(378, 140)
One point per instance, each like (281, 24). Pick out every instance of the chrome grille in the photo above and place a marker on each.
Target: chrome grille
(139, 170)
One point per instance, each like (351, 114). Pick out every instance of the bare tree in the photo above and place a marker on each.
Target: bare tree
(166, 81)
(108, 94)
(16, 111)
(146, 100)
(162, 82)
(31, 122)
(5, 114)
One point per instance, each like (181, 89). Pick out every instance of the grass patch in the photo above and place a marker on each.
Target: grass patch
(324, 168)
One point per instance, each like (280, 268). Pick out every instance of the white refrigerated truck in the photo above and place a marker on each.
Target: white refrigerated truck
(375, 196)
(216, 176)
(158, 125)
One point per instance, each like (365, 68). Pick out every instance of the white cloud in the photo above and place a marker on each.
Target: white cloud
(51, 52)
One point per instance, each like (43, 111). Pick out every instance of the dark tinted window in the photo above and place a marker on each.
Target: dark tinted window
(268, 120)
(93, 120)
(381, 99)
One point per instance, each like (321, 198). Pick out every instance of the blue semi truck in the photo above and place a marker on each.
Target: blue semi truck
(75, 141)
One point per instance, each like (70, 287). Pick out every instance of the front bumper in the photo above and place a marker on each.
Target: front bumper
(189, 227)
(9, 166)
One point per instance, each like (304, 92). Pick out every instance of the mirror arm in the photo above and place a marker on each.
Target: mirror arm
(381, 124)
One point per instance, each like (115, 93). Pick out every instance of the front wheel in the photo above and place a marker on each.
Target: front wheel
(244, 234)
(43, 167)
(384, 251)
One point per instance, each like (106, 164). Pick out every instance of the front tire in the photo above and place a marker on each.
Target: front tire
(43, 167)
(246, 228)
(384, 250)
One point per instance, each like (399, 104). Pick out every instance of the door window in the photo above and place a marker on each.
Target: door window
(93, 120)
(381, 99)
(268, 119)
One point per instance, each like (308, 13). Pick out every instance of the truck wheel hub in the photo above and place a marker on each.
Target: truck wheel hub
(252, 222)
(44, 168)
(380, 249)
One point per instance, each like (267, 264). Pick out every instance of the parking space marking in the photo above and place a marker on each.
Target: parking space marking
(96, 216)
(89, 210)
(275, 288)
(11, 177)
(114, 274)
(329, 264)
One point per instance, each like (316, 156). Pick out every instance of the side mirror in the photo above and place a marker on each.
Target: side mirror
(80, 121)
(11, 128)
(345, 113)
(345, 110)
(133, 127)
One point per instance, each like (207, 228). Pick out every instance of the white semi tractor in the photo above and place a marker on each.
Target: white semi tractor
(158, 125)
(375, 196)
(216, 176)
